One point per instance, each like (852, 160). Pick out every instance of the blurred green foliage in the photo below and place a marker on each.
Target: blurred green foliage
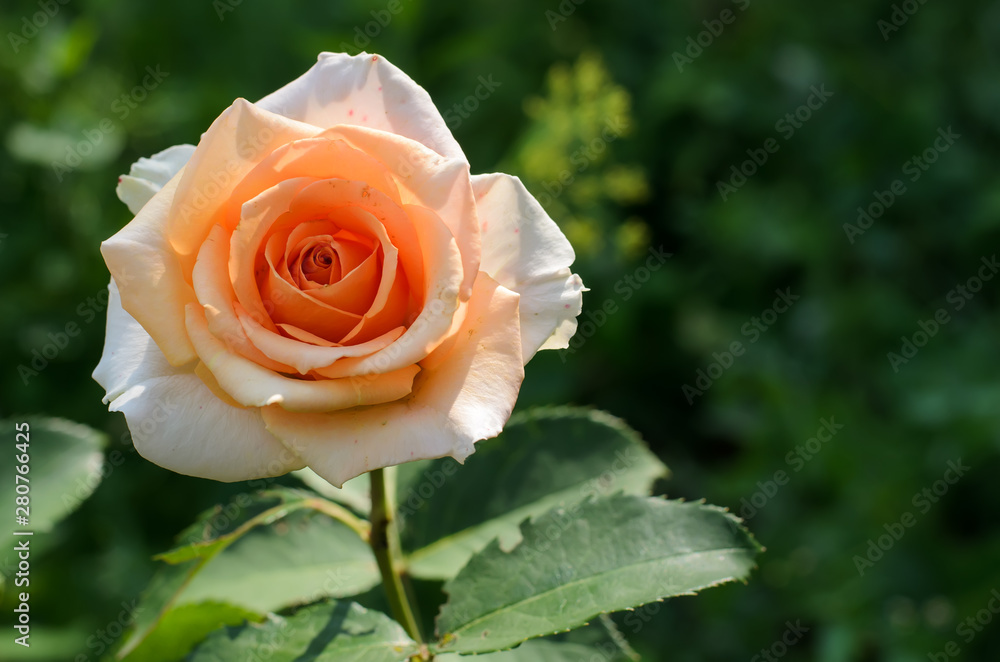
(655, 185)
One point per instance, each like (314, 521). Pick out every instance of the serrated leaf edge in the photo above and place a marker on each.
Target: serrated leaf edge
(449, 638)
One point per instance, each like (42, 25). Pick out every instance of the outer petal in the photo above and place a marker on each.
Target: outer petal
(152, 284)
(179, 424)
(148, 175)
(555, 301)
(130, 356)
(238, 140)
(467, 396)
(525, 251)
(365, 90)
(175, 419)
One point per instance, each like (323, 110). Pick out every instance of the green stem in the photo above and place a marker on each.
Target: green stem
(384, 540)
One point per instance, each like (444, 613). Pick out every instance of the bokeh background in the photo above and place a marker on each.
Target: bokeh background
(676, 119)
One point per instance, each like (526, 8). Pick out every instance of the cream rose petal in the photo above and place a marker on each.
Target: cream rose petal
(152, 284)
(466, 397)
(149, 256)
(214, 291)
(130, 356)
(148, 175)
(255, 386)
(175, 420)
(549, 309)
(364, 90)
(304, 356)
(257, 216)
(441, 305)
(239, 139)
(179, 424)
(525, 251)
(428, 180)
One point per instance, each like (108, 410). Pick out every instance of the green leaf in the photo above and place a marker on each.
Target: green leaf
(330, 632)
(298, 560)
(182, 628)
(65, 466)
(47, 643)
(599, 641)
(536, 651)
(544, 458)
(603, 634)
(218, 527)
(259, 553)
(157, 600)
(214, 530)
(598, 556)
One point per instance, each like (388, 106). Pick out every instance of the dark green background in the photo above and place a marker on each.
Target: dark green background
(655, 186)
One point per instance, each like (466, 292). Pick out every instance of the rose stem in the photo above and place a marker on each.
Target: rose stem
(384, 541)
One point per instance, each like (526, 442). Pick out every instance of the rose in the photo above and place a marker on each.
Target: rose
(320, 282)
